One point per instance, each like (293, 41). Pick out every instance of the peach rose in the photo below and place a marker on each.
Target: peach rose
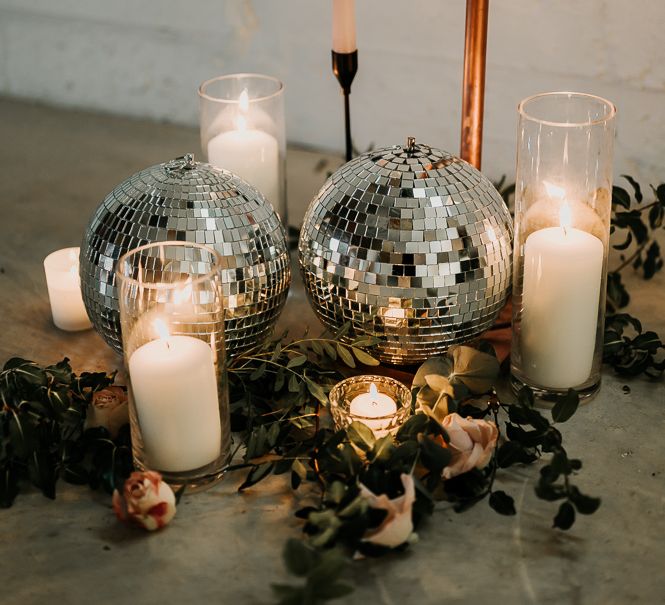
(397, 527)
(472, 443)
(146, 501)
(109, 409)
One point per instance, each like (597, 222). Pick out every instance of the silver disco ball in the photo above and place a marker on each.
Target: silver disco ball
(184, 200)
(411, 245)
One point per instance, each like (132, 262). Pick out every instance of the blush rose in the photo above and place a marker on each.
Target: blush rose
(146, 501)
(472, 443)
(109, 409)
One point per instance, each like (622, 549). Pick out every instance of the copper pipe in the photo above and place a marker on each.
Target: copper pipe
(473, 87)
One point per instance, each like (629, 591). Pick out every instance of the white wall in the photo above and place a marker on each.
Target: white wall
(147, 57)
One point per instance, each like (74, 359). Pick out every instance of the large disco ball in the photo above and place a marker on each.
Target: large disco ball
(411, 245)
(184, 200)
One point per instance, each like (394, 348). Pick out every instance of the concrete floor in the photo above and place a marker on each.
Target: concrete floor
(55, 167)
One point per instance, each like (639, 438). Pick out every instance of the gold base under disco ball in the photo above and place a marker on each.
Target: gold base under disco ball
(184, 200)
(411, 245)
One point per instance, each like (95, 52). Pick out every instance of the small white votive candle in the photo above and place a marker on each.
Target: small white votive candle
(372, 408)
(64, 290)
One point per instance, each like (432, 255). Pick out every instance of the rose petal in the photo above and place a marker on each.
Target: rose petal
(398, 524)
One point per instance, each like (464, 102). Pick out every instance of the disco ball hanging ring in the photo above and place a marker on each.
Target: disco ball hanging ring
(411, 245)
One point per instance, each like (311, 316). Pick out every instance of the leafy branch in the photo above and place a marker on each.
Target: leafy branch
(42, 432)
(627, 348)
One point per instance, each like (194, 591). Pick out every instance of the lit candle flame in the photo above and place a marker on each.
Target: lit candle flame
(373, 391)
(183, 294)
(554, 191)
(243, 110)
(243, 101)
(565, 218)
(161, 328)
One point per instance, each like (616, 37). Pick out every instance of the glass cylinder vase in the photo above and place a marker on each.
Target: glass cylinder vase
(172, 321)
(563, 197)
(242, 130)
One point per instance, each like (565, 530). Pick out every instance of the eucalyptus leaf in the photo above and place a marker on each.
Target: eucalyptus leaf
(383, 449)
(434, 366)
(294, 383)
(297, 556)
(585, 505)
(345, 355)
(297, 361)
(316, 391)
(434, 456)
(330, 350)
(361, 435)
(565, 406)
(256, 474)
(565, 517)
(476, 370)
(364, 357)
(502, 503)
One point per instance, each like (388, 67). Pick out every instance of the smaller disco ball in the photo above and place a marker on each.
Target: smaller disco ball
(411, 245)
(184, 200)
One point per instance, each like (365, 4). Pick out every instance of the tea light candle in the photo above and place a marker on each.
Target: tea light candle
(251, 154)
(175, 394)
(562, 277)
(64, 290)
(367, 406)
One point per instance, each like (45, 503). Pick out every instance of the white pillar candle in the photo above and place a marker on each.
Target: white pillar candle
(373, 405)
(250, 153)
(562, 277)
(175, 394)
(344, 26)
(64, 290)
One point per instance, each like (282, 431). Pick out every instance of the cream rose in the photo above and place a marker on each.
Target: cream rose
(109, 409)
(397, 527)
(146, 501)
(472, 443)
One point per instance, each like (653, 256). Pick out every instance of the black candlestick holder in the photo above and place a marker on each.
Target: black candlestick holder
(345, 66)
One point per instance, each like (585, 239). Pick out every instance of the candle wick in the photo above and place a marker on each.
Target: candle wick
(565, 231)
(168, 346)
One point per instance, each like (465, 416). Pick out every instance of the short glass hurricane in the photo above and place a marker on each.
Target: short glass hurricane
(172, 319)
(563, 198)
(379, 402)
